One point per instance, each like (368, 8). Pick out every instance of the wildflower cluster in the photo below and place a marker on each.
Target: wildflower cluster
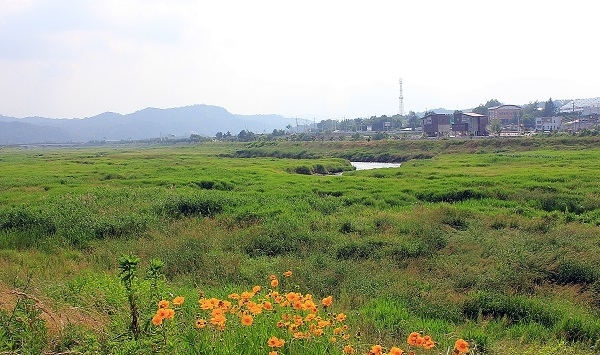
(286, 320)
(415, 339)
(299, 315)
(164, 312)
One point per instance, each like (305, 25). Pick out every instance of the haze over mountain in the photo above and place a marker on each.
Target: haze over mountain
(148, 123)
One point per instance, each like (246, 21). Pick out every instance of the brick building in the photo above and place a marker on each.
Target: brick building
(505, 113)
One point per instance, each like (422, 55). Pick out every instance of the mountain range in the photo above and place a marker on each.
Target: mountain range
(204, 120)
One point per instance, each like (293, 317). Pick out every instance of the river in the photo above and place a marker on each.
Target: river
(359, 165)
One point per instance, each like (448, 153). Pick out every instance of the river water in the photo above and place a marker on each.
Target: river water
(359, 165)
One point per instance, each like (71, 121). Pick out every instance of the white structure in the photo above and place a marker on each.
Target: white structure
(548, 124)
(582, 106)
(401, 103)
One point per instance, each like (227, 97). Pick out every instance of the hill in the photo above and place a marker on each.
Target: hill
(148, 123)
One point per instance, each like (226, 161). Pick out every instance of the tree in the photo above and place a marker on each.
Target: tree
(245, 136)
(550, 108)
(219, 135)
(413, 120)
(483, 109)
(496, 126)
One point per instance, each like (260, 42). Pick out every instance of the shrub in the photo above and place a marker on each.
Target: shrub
(195, 205)
(118, 226)
(303, 169)
(511, 308)
(574, 272)
(214, 185)
(24, 219)
(360, 250)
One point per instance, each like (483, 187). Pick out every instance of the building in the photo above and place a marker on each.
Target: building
(582, 107)
(545, 124)
(505, 113)
(581, 123)
(437, 124)
(470, 124)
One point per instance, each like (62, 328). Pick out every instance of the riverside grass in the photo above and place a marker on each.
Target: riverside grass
(495, 242)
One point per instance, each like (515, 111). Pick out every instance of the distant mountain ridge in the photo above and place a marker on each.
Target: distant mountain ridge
(205, 120)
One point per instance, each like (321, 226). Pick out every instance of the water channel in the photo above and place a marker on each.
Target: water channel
(359, 165)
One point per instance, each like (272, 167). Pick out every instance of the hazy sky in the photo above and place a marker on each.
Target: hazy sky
(322, 59)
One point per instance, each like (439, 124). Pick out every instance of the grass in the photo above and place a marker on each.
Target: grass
(491, 240)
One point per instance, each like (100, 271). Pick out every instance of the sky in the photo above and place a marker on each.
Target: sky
(323, 59)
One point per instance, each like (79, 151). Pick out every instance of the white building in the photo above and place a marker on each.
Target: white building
(548, 124)
(582, 106)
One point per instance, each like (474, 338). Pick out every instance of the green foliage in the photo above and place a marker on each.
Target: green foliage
(22, 330)
(127, 272)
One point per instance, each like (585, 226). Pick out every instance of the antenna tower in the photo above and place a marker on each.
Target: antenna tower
(401, 99)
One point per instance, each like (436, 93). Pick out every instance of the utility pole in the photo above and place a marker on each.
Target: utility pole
(401, 101)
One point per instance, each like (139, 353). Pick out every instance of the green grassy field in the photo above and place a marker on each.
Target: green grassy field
(494, 241)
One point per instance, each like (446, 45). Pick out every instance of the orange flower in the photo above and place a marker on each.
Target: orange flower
(169, 313)
(247, 320)
(462, 346)
(178, 301)
(200, 323)
(348, 349)
(163, 304)
(272, 352)
(395, 351)
(376, 350)
(412, 338)
(420, 341)
(327, 301)
(267, 305)
(157, 320)
(218, 320)
(274, 342)
(332, 339)
(274, 283)
(287, 273)
(292, 296)
(428, 344)
(247, 295)
(255, 308)
(162, 312)
(340, 317)
(272, 277)
(256, 289)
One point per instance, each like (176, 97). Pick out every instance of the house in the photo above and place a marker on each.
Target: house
(548, 124)
(437, 124)
(584, 122)
(507, 114)
(470, 124)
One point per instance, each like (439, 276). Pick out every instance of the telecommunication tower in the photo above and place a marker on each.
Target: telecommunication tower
(401, 99)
